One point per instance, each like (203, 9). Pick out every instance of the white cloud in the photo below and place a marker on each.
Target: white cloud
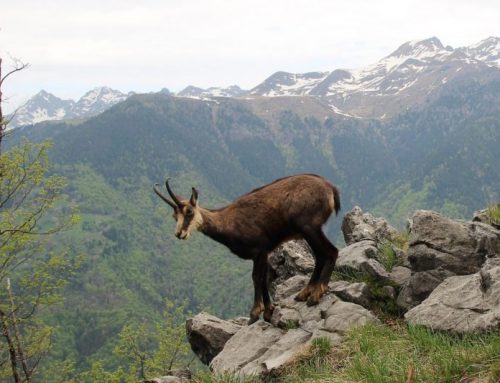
(143, 46)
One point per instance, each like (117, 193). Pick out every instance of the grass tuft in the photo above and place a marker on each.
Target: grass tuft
(493, 212)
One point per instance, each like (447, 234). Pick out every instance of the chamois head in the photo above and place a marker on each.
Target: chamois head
(186, 212)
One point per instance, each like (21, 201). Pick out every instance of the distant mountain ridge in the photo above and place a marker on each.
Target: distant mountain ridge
(396, 83)
(45, 106)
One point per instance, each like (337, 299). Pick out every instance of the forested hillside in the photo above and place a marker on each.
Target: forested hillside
(443, 155)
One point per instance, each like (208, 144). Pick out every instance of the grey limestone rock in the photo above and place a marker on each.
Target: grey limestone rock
(400, 275)
(208, 334)
(462, 303)
(358, 226)
(361, 256)
(289, 259)
(455, 245)
(441, 247)
(358, 292)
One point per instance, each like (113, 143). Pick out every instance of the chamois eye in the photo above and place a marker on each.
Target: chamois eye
(189, 213)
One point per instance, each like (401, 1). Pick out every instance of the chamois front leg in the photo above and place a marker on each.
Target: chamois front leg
(258, 277)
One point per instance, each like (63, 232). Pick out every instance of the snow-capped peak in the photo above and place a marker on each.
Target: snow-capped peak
(421, 50)
(195, 92)
(102, 94)
(487, 50)
(45, 106)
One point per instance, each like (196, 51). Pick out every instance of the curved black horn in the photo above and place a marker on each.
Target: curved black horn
(157, 191)
(176, 200)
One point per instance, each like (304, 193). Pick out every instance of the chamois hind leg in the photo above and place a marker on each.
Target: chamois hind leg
(332, 254)
(258, 277)
(326, 255)
(268, 306)
(319, 261)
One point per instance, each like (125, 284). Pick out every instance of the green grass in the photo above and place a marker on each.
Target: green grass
(388, 257)
(381, 354)
(383, 307)
(494, 213)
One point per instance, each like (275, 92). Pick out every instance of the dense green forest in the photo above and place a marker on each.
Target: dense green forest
(442, 156)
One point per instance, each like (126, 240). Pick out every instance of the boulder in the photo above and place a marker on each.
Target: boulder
(441, 247)
(208, 334)
(419, 286)
(400, 275)
(460, 247)
(358, 226)
(361, 256)
(358, 292)
(462, 303)
(175, 376)
(341, 316)
(289, 259)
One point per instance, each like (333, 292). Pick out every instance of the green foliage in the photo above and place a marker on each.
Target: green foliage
(388, 250)
(388, 257)
(494, 213)
(291, 324)
(147, 349)
(384, 306)
(33, 269)
(321, 347)
(380, 354)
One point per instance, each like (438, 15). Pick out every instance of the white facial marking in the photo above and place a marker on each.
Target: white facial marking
(195, 222)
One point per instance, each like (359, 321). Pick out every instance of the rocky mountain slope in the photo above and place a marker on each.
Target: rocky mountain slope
(398, 82)
(46, 107)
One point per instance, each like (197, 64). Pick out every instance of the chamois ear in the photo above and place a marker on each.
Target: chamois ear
(194, 197)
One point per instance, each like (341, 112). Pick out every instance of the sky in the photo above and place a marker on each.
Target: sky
(144, 46)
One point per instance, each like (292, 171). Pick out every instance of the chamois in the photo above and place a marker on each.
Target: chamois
(257, 222)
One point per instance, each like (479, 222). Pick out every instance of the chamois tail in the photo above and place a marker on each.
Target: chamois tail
(336, 199)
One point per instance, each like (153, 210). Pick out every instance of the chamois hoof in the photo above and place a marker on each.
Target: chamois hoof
(312, 301)
(252, 320)
(268, 313)
(303, 295)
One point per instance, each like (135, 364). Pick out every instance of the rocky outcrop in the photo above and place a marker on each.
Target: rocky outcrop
(452, 283)
(358, 226)
(208, 334)
(462, 303)
(261, 348)
(441, 247)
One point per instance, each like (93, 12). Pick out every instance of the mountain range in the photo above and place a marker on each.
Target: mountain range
(45, 106)
(398, 82)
